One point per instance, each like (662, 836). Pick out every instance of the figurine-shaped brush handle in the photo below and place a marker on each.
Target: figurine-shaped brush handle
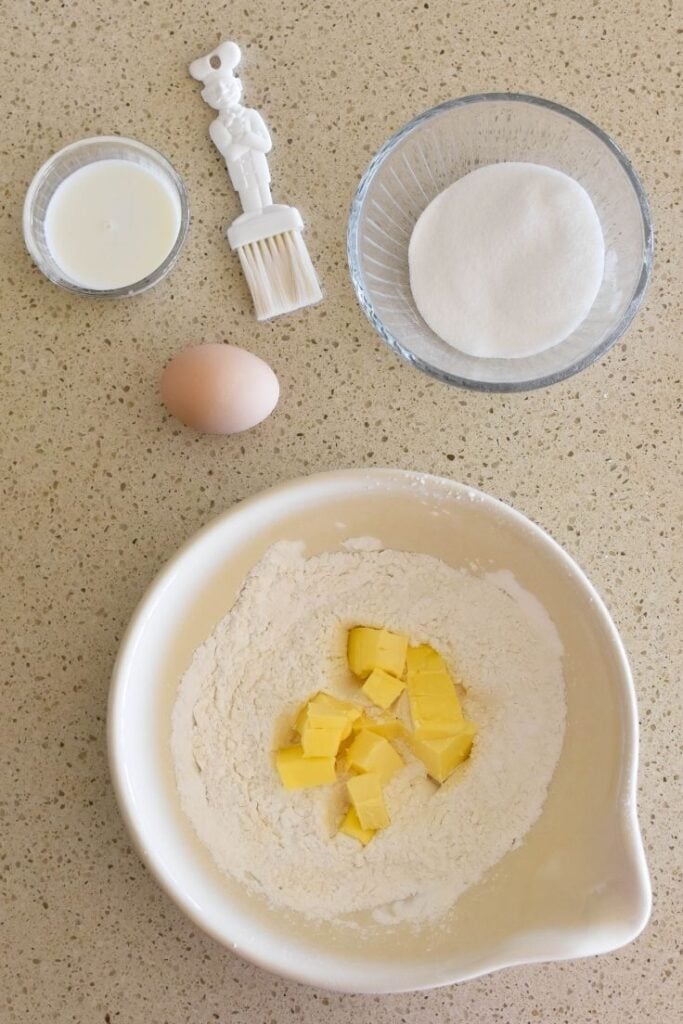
(239, 134)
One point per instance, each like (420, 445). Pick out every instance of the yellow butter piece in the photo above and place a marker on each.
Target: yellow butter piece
(301, 716)
(351, 826)
(434, 706)
(326, 718)
(435, 717)
(387, 726)
(345, 707)
(372, 753)
(382, 689)
(433, 684)
(299, 772)
(436, 728)
(437, 704)
(327, 712)
(320, 742)
(443, 755)
(424, 658)
(369, 649)
(365, 793)
(363, 722)
(390, 728)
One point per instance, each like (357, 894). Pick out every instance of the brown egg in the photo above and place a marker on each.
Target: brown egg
(219, 389)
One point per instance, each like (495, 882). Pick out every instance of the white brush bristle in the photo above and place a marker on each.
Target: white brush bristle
(280, 274)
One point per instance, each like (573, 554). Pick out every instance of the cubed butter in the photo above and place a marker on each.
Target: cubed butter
(442, 756)
(351, 826)
(365, 793)
(437, 704)
(424, 659)
(299, 772)
(387, 726)
(436, 728)
(390, 728)
(372, 753)
(435, 717)
(324, 710)
(369, 649)
(434, 706)
(301, 717)
(326, 718)
(382, 689)
(323, 699)
(364, 722)
(320, 742)
(434, 684)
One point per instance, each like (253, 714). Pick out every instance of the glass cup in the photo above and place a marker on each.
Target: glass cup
(72, 158)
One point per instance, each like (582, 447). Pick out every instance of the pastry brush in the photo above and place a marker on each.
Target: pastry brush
(267, 236)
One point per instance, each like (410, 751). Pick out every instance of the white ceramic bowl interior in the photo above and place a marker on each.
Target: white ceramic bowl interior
(577, 886)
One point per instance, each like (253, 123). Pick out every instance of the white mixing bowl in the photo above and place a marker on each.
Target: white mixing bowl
(577, 886)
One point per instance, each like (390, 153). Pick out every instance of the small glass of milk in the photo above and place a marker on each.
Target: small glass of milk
(106, 216)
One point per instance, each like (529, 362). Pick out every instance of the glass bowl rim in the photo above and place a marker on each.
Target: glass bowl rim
(144, 283)
(480, 384)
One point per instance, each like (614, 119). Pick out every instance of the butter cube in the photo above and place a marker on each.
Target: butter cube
(382, 689)
(372, 753)
(323, 699)
(434, 684)
(299, 772)
(301, 717)
(320, 742)
(434, 705)
(326, 718)
(424, 659)
(376, 648)
(442, 756)
(365, 793)
(390, 728)
(435, 716)
(351, 826)
(436, 728)
(364, 722)
(327, 712)
(385, 725)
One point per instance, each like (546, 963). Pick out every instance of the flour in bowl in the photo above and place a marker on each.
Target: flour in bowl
(285, 638)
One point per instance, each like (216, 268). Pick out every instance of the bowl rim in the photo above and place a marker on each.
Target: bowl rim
(329, 483)
(136, 287)
(481, 384)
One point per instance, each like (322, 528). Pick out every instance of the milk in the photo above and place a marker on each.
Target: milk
(111, 223)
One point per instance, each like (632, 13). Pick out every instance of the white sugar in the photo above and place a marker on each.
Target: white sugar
(507, 261)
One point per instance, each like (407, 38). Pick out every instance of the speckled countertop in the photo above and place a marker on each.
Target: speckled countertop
(99, 486)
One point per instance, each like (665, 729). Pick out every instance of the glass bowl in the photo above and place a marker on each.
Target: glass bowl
(442, 145)
(65, 162)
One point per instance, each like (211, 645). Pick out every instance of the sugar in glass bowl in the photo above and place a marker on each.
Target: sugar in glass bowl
(442, 145)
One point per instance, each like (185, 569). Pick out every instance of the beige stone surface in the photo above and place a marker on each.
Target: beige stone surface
(99, 486)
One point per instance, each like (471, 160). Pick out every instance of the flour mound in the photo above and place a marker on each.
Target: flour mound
(285, 638)
(507, 261)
